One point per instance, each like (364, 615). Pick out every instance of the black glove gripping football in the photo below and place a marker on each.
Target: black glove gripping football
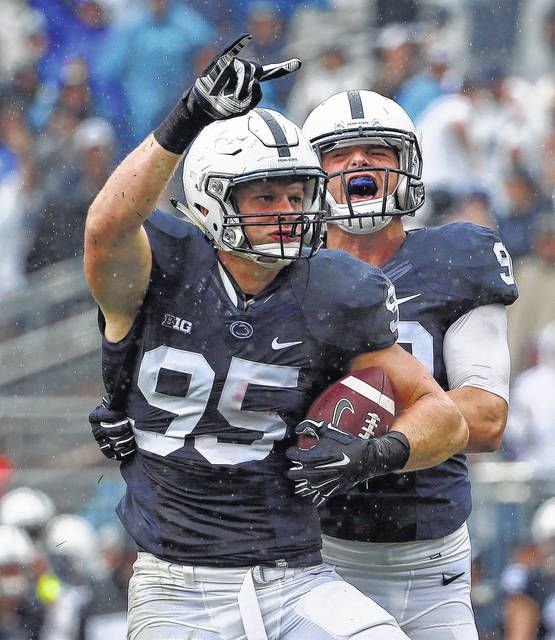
(112, 432)
(228, 87)
(340, 460)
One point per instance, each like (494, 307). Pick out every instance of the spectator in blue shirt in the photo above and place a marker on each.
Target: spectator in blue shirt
(154, 49)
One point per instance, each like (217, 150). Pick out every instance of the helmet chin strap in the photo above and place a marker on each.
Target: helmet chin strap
(268, 262)
(265, 261)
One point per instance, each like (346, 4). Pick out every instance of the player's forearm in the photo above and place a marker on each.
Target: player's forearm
(118, 259)
(130, 194)
(435, 430)
(486, 416)
(431, 421)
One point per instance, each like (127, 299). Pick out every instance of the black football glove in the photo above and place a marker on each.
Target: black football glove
(228, 87)
(340, 460)
(112, 432)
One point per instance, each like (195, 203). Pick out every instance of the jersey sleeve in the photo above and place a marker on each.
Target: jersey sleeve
(176, 246)
(177, 249)
(477, 267)
(349, 304)
(498, 285)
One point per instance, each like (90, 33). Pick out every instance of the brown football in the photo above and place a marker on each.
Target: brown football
(362, 403)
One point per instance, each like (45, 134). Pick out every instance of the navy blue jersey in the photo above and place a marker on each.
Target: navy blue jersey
(218, 389)
(439, 275)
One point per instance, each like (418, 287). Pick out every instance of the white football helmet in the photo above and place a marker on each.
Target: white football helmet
(72, 547)
(364, 117)
(261, 145)
(28, 508)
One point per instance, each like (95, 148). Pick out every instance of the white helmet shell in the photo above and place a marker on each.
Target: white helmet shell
(68, 534)
(260, 145)
(72, 543)
(26, 507)
(365, 117)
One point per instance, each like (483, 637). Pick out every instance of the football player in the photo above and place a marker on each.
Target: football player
(233, 332)
(402, 538)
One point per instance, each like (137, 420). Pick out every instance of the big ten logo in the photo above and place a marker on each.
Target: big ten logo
(179, 324)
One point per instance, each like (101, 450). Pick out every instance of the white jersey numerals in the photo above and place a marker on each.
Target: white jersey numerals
(392, 306)
(420, 340)
(190, 408)
(504, 259)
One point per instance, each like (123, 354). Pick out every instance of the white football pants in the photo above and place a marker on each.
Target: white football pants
(175, 602)
(425, 585)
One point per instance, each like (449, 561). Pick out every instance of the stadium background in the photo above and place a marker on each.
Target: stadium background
(83, 80)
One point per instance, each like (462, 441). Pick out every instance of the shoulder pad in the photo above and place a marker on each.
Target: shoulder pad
(470, 262)
(347, 303)
(168, 224)
(177, 245)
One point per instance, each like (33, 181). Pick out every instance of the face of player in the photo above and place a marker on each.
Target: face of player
(365, 184)
(269, 197)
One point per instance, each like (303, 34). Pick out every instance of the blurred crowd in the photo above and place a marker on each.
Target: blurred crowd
(60, 578)
(82, 81)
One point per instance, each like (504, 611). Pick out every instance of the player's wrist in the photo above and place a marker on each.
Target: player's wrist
(181, 126)
(386, 454)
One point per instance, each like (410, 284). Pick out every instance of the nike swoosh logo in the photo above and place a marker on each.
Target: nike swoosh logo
(445, 581)
(403, 300)
(283, 345)
(339, 463)
(342, 405)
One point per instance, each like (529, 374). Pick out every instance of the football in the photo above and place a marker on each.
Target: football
(362, 403)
